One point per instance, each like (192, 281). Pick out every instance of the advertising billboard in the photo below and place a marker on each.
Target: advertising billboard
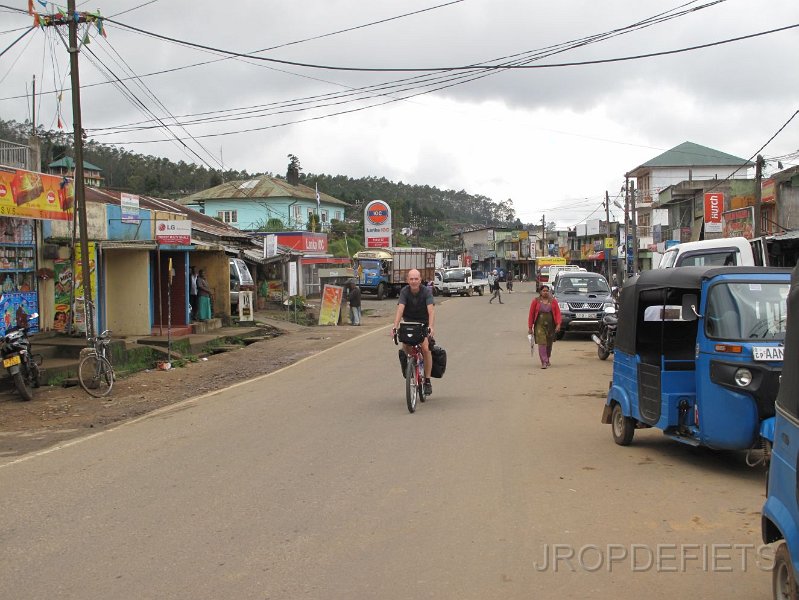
(739, 222)
(377, 225)
(714, 206)
(35, 195)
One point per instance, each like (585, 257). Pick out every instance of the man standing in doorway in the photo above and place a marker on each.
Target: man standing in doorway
(193, 293)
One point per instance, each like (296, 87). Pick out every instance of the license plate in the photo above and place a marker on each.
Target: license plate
(585, 315)
(767, 352)
(10, 362)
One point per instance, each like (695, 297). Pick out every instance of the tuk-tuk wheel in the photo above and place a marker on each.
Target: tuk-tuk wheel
(623, 428)
(783, 580)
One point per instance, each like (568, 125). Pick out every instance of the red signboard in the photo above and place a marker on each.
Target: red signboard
(378, 242)
(315, 243)
(714, 206)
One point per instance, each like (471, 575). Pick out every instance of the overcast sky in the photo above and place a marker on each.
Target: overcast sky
(552, 140)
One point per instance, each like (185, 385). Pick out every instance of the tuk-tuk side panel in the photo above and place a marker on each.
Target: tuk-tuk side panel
(781, 510)
(649, 393)
(624, 387)
(678, 390)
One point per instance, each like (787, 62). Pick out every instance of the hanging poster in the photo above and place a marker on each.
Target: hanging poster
(739, 223)
(64, 280)
(16, 308)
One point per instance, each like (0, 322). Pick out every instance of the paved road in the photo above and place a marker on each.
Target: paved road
(315, 482)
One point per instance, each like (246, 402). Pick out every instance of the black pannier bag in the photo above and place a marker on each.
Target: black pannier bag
(439, 361)
(403, 358)
(411, 333)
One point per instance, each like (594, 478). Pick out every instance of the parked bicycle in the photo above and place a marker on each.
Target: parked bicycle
(413, 334)
(95, 372)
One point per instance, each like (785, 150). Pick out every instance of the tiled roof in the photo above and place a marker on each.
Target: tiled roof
(689, 154)
(260, 187)
(69, 163)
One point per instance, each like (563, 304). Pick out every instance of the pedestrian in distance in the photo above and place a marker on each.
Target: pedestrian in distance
(355, 303)
(193, 293)
(493, 284)
(543, 322)
(509, 284)
(203, 297)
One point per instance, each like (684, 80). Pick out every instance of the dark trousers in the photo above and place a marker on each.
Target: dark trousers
(193, 303)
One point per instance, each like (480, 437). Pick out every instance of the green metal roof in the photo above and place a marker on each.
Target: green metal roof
(689, 154)
(260, 187)
(69, 163)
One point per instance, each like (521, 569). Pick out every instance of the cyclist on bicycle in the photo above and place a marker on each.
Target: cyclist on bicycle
(416, 305)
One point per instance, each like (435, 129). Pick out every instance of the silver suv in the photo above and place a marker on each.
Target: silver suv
(583, 298)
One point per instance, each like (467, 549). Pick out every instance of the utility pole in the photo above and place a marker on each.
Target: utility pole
(634, 221)
(544, 247)
(627, 232)
(605, 249)
(80, 191)
(759, 162)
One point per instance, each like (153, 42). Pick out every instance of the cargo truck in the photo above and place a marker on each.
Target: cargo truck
(384, 271)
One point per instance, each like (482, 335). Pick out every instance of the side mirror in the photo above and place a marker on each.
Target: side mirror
(689, 307)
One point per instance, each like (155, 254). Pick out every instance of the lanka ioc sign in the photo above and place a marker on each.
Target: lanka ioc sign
(377, 224)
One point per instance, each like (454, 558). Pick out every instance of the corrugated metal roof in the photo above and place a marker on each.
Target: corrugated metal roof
(689, 154)
(199, 221)
(69, 163)
(260, 187)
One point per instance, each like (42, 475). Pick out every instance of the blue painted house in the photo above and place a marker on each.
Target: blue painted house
(249, 204)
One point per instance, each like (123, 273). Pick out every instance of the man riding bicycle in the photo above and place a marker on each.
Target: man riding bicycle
(416, 305)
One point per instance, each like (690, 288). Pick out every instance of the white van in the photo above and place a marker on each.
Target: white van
(716, 253)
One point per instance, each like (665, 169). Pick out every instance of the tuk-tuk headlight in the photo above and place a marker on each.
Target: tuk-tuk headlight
(743, 377)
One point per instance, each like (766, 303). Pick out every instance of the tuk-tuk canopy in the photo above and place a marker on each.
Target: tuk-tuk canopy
(788, 398)
(686, 279)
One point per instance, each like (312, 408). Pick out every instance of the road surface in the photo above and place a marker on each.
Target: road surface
(315, 482)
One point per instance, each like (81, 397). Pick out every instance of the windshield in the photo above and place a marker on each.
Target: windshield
(667, 261)
(747, 311)
(369, 264)
(576, 284)
(454, 275)
(721, 258)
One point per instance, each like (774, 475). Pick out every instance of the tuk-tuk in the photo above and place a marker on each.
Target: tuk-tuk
(780, 520)
(698, 355)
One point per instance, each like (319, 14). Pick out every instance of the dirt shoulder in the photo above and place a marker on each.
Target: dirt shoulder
(59, 414)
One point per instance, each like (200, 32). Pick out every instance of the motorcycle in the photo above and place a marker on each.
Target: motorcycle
(605, 339)
(15, 350)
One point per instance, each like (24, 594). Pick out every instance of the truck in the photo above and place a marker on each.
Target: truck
(457, 281)
(718, 252)
(384, 271)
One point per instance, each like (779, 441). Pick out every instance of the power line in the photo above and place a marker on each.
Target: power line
(452, 68)
(16, 41)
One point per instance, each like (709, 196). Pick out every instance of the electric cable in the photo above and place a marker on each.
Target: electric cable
(16, 41)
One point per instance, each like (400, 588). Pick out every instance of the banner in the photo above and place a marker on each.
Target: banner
(64, 280)
(15, 308)
(35, 195)
(129, 205)
(739, 223)
(714, 206)
(332, 295)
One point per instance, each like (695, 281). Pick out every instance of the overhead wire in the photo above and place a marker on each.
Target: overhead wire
(460, 78)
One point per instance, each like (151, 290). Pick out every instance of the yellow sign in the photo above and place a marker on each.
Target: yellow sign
(35, 195)
(332, 296)
(550, 260)
(610, 243)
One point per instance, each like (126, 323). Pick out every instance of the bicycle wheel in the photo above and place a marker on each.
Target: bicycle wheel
(411, 387)
(420, 380)
(96, 375)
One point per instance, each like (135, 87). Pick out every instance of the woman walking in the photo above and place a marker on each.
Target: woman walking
(543, 323)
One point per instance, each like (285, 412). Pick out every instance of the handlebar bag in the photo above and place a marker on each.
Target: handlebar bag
(412, 333)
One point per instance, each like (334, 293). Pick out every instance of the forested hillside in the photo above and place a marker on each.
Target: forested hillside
(433, 214)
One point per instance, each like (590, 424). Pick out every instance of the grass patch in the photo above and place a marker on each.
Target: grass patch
(134, 360)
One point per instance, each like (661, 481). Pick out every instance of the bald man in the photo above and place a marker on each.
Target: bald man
(416, 305)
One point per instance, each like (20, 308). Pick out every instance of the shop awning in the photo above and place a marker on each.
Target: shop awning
(128, 245)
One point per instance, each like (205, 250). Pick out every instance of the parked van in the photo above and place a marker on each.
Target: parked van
(723, 252)
(240, 279)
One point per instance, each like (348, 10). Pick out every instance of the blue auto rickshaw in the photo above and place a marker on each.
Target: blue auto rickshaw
(780, 520)
(698, 355)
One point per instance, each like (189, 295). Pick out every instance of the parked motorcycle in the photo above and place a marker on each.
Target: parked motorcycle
(605, 339)
(15, 350)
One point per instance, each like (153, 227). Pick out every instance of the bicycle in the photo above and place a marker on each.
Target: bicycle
(413, 334)
(95, 372)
